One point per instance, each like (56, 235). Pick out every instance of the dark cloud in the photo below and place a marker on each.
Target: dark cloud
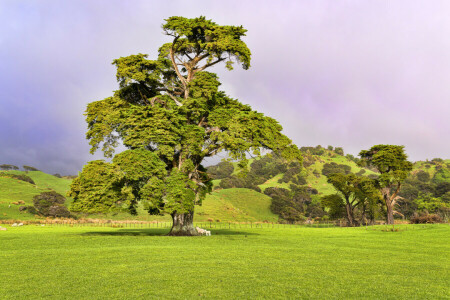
(347, 73)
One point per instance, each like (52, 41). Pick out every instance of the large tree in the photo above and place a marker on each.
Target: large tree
(393, 165)
(170, 114)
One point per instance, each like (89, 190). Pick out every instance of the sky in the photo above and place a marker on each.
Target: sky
(343, 73)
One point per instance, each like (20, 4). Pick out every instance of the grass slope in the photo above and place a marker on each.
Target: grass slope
(300, 263)
(13, 190)
(241, 205)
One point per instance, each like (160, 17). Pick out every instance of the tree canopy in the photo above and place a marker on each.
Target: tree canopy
(393, 166)
(171, 115)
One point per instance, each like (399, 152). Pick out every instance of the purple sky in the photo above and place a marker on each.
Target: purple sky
(342, 73)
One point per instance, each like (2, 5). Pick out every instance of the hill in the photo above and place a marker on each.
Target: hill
(249, 198)
(13, 190)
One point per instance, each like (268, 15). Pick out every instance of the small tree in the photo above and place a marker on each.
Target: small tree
(7, 167)
(171, 115)
(345, 185)
(392, 164)
(29, 168)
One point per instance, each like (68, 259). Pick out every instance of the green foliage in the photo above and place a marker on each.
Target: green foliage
(289, 205)
(172, 115)
(442, 175)
(339, 151)
(390, 161)
(50, 204)
(331, 168)
(8, 167)
(423, 176)
(21, 177)
(28, 168)
(221, 170)
(335, 205)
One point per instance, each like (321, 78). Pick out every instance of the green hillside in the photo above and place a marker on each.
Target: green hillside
(241, 205)
(226, 204)
(14, 190)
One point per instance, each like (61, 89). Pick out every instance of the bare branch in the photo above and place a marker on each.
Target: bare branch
(178, 103)
(210, 64)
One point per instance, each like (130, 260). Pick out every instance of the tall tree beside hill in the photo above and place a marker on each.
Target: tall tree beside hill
(392, 164)
(170, 114)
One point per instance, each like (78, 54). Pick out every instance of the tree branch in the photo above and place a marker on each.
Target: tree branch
(209, 65)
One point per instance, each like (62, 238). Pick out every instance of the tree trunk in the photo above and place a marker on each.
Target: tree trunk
(389, 205)
(183, 225)
(389, 213)
(350, 219)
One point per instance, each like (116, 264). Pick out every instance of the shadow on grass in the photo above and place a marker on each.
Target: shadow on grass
(159, 232)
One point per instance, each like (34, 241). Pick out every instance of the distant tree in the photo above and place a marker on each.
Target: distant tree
(330, 148)
(221, 170)
(171, 115)
(57, 175)
(437, 160)
(345, 187)
(441, 175)
(368, 195)
(339, 151)
(335, 205)
(28, 168)
(21, 177)
(392, 164)
(423, 176)
(442, 188)
(7, 167)
(289, 205)
(331, 168)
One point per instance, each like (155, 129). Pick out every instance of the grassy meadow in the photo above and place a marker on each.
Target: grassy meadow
(295, 262)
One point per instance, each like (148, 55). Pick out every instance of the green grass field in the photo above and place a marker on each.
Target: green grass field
(296, 262)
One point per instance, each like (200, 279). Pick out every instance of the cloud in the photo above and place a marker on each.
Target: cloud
(349, 74)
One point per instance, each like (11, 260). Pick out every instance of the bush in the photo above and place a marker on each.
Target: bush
(32, 210)
(18, 177)
(331, 168)
(361, 172)
(426, 219)
(221, 170)
(339, 151)
(423, 176)
(51, 204)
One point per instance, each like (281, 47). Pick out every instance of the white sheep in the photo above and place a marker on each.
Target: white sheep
(3, 228)
(200, 230)
(208, 233)
(20, 224)
(14, 225)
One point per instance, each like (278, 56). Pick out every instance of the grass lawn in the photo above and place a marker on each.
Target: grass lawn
(126, 263)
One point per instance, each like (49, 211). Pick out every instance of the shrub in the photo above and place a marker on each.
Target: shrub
(361, 172)
(331, 168)
(427, 218)
(32, 210)
(221, 170)
(339, 151)
(21, 177)
(51, 204)
(423, 176)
